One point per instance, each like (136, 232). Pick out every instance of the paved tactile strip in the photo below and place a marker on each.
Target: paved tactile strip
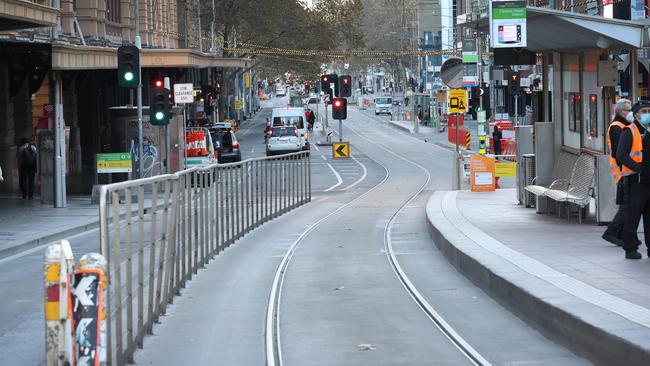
(624, 308)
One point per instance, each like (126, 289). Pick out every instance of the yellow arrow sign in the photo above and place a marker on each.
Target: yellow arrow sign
(341, 150)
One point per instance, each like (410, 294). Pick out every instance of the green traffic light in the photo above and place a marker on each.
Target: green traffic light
(160, 115)
(128, 76)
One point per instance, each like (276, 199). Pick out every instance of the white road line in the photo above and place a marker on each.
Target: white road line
(316, 147)
(324, 158)
(338, 177)
(365, 174)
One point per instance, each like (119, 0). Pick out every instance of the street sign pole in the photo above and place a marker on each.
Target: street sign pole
(340, 131)
(456, 177)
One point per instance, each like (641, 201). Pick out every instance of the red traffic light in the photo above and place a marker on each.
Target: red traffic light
(338, 103)
(324, 78)
(158, 83)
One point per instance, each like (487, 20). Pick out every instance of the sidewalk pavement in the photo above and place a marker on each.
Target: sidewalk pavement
(27, 224)
(559, 276)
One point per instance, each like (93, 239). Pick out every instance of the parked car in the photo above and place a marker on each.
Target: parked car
(282, 140)
(225, 143)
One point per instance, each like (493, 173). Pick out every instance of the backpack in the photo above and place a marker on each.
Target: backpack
(29, 155)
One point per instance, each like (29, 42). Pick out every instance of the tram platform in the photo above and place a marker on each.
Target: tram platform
(557, 275)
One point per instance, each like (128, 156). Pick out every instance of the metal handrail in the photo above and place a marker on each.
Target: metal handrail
(193, 215)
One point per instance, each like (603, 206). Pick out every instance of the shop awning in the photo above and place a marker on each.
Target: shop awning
(20, 14)
(69, 57)
(549, 29)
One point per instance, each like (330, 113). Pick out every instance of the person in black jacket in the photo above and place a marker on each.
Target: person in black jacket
(614, 231)
(496, 140)
(636, 180)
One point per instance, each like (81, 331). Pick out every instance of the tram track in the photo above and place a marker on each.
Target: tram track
(274, 355)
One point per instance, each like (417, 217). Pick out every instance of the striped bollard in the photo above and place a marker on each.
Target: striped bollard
(89, 309)
(468, 140)
(59, 265)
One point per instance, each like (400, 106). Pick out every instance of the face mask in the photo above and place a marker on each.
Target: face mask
(645, 119)
(630, 117)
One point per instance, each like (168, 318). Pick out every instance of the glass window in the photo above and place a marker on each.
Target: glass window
(289, 121)
(283, 131)
(593, 131)
(571, 100)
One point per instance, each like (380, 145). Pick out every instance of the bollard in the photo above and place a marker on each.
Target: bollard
(89, 309)
(468, 140)
(59, 264)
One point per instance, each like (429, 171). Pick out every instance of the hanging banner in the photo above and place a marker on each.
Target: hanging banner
(508, 24)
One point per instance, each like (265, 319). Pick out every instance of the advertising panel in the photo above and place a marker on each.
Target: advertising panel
(508, 24)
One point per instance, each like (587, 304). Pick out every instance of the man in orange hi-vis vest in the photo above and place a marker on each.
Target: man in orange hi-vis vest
(634, 155)
(614, 231)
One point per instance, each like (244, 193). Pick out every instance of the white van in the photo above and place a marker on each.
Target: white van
(384, 105)
(290, 116)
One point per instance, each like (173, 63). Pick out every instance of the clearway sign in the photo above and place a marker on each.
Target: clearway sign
(183, 93)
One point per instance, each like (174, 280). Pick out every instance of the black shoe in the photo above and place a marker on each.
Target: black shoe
(632, 254)
(612, 239)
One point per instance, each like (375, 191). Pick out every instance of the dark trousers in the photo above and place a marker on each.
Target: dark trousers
(639, 205)
(616, 226)
(26, 181)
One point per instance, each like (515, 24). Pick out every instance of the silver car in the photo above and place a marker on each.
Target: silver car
(282, 140)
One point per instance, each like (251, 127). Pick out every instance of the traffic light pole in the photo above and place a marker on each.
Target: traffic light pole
(138, 43)
(327, 125)
(516, 109)
(340, 131)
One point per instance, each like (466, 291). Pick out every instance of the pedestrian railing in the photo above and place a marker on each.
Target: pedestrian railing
(156, 232)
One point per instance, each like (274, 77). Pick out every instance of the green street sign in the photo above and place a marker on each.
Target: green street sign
(114, 162)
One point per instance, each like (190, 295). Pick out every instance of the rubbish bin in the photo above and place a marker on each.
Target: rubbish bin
(529, 175)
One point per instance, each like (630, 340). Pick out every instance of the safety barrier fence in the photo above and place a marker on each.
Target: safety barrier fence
(173, 224)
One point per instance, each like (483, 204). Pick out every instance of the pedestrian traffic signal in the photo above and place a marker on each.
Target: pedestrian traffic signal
(482, 148)
(345, 86)
(340, 108)
(128, 66)
(514, 83)
(159, 106)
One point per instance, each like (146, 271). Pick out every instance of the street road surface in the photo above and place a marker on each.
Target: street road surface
(338, 270)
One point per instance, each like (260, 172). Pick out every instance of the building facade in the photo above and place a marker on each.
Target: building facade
(58, 62)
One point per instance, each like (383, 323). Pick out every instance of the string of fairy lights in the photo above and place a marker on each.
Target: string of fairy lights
(253, 49)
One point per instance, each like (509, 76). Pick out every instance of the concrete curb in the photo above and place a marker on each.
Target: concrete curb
(48, 238)
(405, 128)
(595, 333)
(56, 235)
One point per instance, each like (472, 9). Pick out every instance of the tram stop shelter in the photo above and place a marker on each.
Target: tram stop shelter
(577, 51)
